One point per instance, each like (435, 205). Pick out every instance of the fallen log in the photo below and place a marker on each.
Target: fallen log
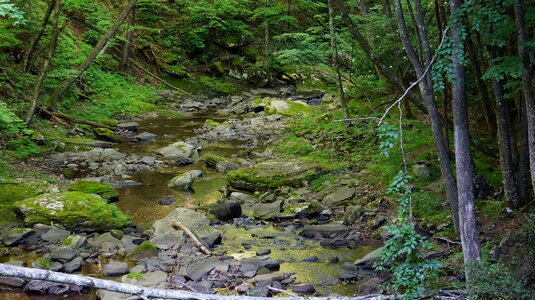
(144, 292)
(179, 225)
(167, 84)
(73, 120)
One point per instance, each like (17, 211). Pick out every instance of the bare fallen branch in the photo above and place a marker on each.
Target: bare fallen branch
(282, 291)
(179, 225)
(144, 292)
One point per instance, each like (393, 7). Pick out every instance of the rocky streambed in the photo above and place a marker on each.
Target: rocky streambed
(217, 175)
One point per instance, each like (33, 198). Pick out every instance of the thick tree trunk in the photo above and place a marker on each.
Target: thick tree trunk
(463, 158)
(374, 57)
(336, 66)
(504, 142)
(52, 99)
(48, 61)
(434, 115)
(143, 292)
(33, 46)
(127, 46)
(523, 153)
(527, 77)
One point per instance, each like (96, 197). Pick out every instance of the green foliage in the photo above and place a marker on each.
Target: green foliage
(218, 85)
(495, 281)
(403, 252)
(388, 134)
(23, 148)
(45, 263)
(12, 12)
(10, 124)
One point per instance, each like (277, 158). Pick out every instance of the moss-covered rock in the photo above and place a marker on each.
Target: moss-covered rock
(72, 210)
(179, 150)
(144, 250)
(104, 190)
(273, 174)
(287, 108)
(106, 135)
(84, 144)
(9, 194)
(211, 123)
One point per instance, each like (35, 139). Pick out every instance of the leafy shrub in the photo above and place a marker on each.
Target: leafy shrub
(10, 124)
(495, 281)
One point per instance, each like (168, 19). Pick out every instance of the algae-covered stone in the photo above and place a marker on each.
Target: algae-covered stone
(11, 193)
(211, 123)
(224, 165)
(104, 190)
(273, 174)
(198, 223)
(86, 143)
(145, 250)
(287, 108)
(179, 150)
(106, 134)
(182, 181)
(72, 210)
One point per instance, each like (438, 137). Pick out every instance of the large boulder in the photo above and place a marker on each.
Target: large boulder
(224, 165)
(145, 250)
(198, 223)
(104, 190)
(287, 108)
(226, 209)
(179, 150)
(339, 196)
(72, 210)
(273, 174)
(106, 135)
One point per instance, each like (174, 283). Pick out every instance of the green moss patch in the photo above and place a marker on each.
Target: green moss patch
(490, 208)
(104, 190)
(144, 250)
(71, 209)
(273, 174)
(9, 194)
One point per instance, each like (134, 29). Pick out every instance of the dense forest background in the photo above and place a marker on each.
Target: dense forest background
(458, 74)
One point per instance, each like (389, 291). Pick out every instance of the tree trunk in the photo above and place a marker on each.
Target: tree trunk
(374, 57)
(527, 78)
(52, 99)
(127, 46)
(33, 46)
(336, 66)
(504, 142)
(463, 158)
(434, 115)
(523, 160)
(142, 292)
(484, 93)
(48, 61)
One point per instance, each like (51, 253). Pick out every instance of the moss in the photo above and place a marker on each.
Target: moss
(211, 123)
(67, 241)
(136, 276)
(144, 250)
(71, 209)
(258, 101)
(288, 108)
(490, 208)
(109, 122)
(104, 190)
(106, 134)
(9, 194)
(266, 176)
(212, 160)
(45, 263)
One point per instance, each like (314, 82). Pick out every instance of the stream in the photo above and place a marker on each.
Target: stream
(286, 245)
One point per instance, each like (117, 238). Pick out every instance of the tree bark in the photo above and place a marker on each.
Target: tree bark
(504, 142)
(463, 157)
(434, 115)
(527, 77)
(336, 66)
(48, 61)
(144, 292)
(374, 57)
(33, 46)
(127, 46)
(52, 99)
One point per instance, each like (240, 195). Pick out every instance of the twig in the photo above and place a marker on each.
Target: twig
(282, 291)
(427, 69)
(179, 225)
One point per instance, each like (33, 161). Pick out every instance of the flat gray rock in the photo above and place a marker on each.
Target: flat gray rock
(115, 269)
(199, 269)
(55, 235)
